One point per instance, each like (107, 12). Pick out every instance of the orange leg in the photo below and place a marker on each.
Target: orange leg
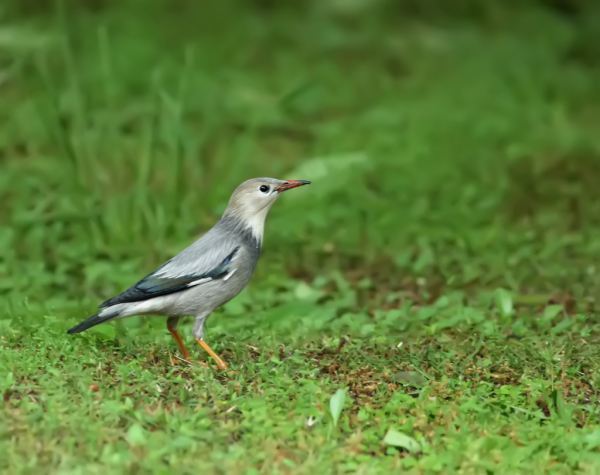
(220, 363)
(177, 337)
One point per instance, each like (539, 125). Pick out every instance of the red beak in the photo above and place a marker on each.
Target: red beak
(289, 184)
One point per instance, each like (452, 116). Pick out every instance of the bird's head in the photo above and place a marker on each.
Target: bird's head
(251, 201)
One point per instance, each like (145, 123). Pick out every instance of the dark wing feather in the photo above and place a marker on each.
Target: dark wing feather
(155, 284)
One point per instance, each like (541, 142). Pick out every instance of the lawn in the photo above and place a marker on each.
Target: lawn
(429, 304)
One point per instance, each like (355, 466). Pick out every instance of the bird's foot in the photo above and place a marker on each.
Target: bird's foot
(216, 358)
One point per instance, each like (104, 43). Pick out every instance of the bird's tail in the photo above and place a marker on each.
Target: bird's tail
(93, 321)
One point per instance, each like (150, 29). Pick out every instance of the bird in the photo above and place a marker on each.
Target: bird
(205, 275)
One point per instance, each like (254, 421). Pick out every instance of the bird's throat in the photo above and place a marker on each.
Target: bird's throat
(256, 223)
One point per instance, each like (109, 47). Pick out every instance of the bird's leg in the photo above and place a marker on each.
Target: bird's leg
(172, 327)
(199, 333)
(220, 363)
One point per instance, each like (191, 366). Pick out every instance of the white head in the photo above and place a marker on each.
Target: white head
(252, 200)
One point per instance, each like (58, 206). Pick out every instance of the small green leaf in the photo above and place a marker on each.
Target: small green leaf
(336, 404)
(592, 440)
(7, 381)
(551, 311)
(303, 291)
(504, 302)
(106, 332)
(401, 440)
(136, 435)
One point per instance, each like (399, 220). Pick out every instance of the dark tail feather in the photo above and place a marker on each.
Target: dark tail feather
(90, 322)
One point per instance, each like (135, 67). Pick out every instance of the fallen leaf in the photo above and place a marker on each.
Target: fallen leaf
(399, 439)
(336, 404)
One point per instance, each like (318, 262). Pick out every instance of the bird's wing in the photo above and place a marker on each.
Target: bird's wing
(212, 257)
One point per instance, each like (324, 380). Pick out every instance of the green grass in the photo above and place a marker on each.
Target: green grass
(442, 270)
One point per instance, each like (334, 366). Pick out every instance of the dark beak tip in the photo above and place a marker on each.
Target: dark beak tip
(299, 182)
(289, 184)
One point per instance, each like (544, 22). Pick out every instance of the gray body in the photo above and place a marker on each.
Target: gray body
(203, 255)
(207, 274)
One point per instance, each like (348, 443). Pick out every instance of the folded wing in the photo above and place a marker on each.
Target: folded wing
(202, 262)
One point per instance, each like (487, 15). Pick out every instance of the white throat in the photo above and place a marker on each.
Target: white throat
(256, 223)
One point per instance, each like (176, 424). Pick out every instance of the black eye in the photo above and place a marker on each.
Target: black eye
(264, 188)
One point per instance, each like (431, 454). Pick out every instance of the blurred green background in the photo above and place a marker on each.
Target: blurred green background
(454, 149)
(457, 141)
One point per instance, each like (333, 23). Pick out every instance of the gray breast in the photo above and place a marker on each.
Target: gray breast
(206, 297)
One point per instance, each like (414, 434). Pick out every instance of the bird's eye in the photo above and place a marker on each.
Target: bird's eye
(264, 188)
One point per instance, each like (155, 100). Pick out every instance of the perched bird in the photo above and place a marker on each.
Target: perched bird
(207, 274)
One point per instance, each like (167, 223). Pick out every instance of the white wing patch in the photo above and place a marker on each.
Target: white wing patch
(203, 280)
(199, 281)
